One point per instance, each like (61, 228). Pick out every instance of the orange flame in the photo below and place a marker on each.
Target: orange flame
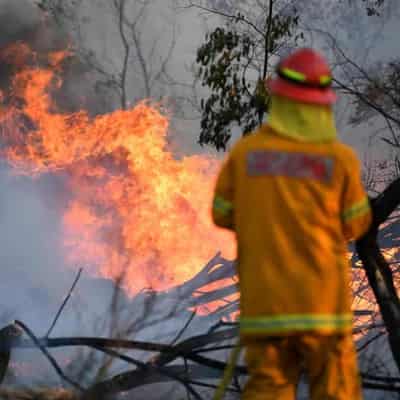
(135, 209)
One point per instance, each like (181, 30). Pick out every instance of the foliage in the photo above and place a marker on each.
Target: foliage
(380, 86)
(59, 9)
(137, 64)
(235, 57)
(233, 63)
(372, 6)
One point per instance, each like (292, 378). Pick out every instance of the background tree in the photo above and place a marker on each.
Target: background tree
(131, 62)
(234, 61)
(376, 93)
(236, 56)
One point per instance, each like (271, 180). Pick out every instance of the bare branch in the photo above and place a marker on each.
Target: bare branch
(64, 303)
(239, 18)
(51, 359)
(120, 6)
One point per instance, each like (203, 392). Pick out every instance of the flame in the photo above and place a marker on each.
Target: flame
(134, 208)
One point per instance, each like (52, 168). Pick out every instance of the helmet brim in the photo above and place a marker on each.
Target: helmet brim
(282, 87)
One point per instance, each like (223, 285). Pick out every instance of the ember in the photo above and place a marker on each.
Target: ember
(134, 208)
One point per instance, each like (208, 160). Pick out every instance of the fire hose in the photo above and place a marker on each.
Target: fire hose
(228, 372)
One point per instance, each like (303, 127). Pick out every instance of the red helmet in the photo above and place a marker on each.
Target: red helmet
(304, 76)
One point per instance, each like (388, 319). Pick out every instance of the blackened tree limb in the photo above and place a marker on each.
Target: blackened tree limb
(46, 353)
(378, 271)
(114, 385)
(120, 6)
(141, 377)
(128, 380)
(183, 348)
(155, 369)
(386, 203)
(9, 336)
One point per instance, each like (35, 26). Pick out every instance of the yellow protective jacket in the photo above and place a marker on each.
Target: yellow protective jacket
(293, 201)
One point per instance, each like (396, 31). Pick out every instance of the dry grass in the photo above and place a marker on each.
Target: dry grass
(37, 394)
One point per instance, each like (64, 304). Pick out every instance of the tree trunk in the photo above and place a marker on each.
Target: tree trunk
(378, 272)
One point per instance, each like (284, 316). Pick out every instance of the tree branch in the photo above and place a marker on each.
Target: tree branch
(120, 7)
(240, 17)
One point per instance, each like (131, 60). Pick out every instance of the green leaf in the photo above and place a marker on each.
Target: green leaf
(223, 57)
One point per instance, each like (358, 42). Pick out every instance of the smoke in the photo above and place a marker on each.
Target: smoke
(34, 278)
(27, 250)
(22, 21)
(30, 210)
(19, 20)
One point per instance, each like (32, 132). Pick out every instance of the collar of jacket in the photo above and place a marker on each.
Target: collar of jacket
(302, 121)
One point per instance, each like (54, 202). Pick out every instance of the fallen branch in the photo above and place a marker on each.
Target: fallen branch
(156, 370)
(51, 359)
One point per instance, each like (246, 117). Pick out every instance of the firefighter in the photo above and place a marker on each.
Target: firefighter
(293, 195)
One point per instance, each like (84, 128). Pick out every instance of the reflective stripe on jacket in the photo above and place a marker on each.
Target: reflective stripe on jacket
(293, 205)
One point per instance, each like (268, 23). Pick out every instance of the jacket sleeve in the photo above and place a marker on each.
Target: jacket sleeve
(222, 207)
(356, 212)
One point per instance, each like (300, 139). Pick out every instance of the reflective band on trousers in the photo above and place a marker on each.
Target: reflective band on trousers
(222, 206)
(295, 322)
(356, 210)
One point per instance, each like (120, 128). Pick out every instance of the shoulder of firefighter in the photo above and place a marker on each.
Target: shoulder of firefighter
(353, 207)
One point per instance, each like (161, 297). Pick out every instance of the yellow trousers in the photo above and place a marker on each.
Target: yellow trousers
(275, 365)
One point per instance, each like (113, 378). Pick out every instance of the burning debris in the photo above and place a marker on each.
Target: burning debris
(160, 366)
(130, 207)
